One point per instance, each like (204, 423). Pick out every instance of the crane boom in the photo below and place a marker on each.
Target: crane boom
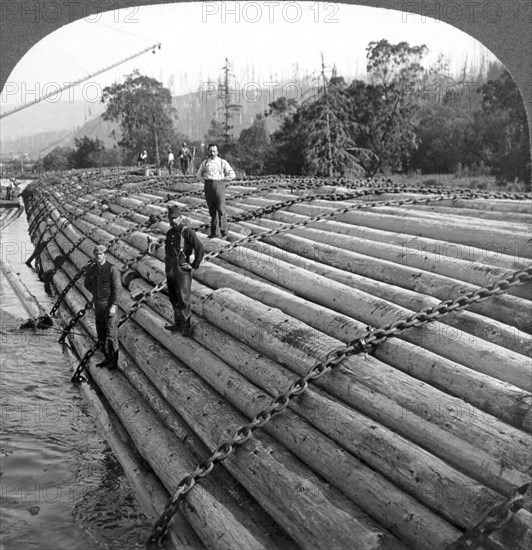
(72, 84)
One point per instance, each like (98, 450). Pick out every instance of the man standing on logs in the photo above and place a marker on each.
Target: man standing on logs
(102, 280)
(215, 172)
(170, 161)
(181, 241)
(185, 156)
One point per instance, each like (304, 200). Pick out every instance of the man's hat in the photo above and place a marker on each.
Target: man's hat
(100, 248)
(173, 211)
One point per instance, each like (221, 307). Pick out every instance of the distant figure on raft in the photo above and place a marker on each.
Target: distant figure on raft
(170, 161)
(102, 280)
(185, 156)
(143, 158)
(180, 242)
(214, 172)
(10, 190)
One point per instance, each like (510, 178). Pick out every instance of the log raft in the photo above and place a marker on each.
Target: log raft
(409, 445)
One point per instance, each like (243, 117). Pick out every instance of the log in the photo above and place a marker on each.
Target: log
(27, 299)
(498, 205)
(469, 223)
(472, 213)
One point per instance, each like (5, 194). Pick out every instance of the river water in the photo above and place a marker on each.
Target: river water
(61, 486)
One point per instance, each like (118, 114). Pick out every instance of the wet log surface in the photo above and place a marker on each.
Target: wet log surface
(407, 446)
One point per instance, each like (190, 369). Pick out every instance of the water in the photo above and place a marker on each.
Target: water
(61, 486)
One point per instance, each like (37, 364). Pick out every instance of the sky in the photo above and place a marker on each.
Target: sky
(265, 43)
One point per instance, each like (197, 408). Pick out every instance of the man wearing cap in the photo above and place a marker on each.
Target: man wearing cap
(102, 280)
(215, 172)
(181, 241)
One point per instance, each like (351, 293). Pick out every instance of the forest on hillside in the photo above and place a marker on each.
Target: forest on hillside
(403, 118)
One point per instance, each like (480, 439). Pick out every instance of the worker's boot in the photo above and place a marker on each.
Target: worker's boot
(106, 359)
(113, 363)
(106, 362)
(187, 329)
(178, 322)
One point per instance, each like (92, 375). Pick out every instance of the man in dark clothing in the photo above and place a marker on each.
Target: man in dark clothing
(102, 280)
(181, 241)
(185, 156)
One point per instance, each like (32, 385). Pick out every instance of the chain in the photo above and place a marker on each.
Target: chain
(371, 338)
(77, 376)
(320, 217)
(496, 518)
(73, 322)
(72, 282)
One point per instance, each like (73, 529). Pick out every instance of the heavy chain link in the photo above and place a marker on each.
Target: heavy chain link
(73, 322)
(371, 338)
(71, 283)
(77, 376)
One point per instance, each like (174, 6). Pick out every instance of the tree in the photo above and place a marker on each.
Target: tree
(228, 106)
(318, 136)
(395, 73)
(88, 153)
(505, 130)
(57, 159)
(143, 108)
(254, 146)
(215, 133)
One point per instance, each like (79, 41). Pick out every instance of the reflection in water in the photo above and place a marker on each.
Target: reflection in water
(61, 486)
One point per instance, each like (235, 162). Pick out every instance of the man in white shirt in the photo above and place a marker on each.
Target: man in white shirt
(214, 172)
(170, 161)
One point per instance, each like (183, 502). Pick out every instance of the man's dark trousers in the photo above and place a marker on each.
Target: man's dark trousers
(180, 292)
(215, 197)
(106, 328)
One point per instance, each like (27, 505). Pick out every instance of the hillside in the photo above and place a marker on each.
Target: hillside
(43, 126)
